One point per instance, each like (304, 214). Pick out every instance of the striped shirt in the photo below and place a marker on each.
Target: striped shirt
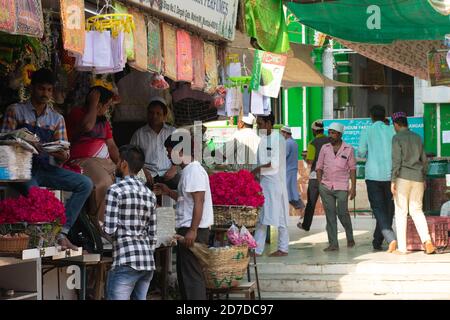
(20, 114)
(152, 143)
(130, 217)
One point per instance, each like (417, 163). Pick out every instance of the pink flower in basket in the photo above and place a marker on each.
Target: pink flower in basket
(236, 189)
(39, 206)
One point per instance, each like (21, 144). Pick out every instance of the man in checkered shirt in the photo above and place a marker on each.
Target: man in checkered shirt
(130, 218)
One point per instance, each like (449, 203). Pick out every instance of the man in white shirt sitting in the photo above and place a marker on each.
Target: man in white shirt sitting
(194, 216)
(150, 138)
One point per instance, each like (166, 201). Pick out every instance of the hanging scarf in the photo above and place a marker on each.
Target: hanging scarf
(154, 46)
(184, 56)
(30, 20)
(198, 60)
(212, 73)
(265, 21)
(7, 16)
(140, 42)
(73, 25)
(170, 51)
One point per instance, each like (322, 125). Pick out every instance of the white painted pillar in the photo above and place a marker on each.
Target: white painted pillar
(328, 61)
(419, 84)
(286, 106)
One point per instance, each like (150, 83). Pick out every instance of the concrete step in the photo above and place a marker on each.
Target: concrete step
(354, 283)
(352, 296)
(369, 267)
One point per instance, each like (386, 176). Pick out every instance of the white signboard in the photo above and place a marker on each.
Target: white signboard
(215, 16)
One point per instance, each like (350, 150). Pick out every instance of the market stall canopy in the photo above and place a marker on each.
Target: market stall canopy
(375, 21)
(300, 70)
(409, 57)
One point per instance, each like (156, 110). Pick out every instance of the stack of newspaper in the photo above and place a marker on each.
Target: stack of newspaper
(55, 146)
(15, 162)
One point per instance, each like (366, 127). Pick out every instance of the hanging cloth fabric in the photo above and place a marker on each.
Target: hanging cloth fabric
(30, 19)
(170, 51)
(265, 22)
(73, 25)
(184, 56)
(198, 63)
(154, 46)
(8, 18)
(140, 42)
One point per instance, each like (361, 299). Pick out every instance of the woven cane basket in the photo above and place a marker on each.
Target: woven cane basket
(224, 216)
(226, 266)
(14, 244)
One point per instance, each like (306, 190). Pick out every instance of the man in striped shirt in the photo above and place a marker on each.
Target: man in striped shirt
(38, 116)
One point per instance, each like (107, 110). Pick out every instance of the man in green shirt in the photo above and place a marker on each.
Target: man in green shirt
(409, 167)
(313, 185)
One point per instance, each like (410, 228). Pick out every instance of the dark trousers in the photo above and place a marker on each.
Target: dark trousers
(313, 196)
(189, 271)
(382, 204)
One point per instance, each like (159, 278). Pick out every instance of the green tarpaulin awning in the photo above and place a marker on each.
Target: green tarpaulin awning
(373, 21)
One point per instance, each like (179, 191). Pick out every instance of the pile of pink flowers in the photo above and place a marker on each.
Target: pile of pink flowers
(236, 189)
(39, 206)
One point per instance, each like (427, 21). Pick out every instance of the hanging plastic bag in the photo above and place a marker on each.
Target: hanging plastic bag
(247, 238)
(234, 236)
(219, 97)
(158, 82)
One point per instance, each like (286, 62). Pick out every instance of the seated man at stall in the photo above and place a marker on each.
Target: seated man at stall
(150, 139)
(38, 116)
(92, 145)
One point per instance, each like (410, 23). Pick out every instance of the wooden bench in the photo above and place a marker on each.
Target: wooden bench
(245, 288)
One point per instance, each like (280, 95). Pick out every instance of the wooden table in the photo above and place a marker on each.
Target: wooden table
(49, 264)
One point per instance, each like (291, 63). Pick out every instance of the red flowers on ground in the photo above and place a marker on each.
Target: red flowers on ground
(236, 189)
(40, 205)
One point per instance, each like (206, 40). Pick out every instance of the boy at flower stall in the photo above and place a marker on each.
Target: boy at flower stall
(38, 116)
(194, 214)
(130, 219)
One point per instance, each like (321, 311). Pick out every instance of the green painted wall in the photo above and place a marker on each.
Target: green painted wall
(445, 126)
(429, 117)
(430, 128)
(295, 114)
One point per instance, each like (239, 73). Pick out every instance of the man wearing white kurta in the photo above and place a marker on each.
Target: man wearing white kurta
(272, 170)
(245, 142)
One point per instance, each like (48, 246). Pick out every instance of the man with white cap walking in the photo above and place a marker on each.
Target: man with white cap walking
(245, 144)
(292, 168)
(150, 139)
(312, 155)
(336, 164)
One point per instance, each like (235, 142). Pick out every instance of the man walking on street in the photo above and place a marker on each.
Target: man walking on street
(409, 168)
(336, 164)
(376, 144)
(292, 169)
(312, 155)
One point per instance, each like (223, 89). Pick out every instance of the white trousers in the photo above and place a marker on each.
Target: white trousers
(260, 237)
(409, 198)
